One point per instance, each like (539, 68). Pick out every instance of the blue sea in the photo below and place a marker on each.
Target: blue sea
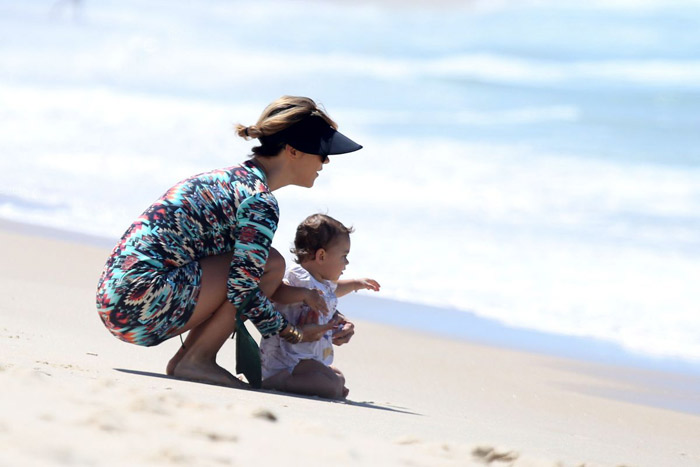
(531, 163)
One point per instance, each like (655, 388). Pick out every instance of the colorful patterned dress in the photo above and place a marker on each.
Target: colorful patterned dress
(150, 284)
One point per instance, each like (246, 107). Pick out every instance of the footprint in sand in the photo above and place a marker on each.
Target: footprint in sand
(107, 420)
(489, 454)
(407, 440)
(160, 404)
(265, 415)
(218, 437)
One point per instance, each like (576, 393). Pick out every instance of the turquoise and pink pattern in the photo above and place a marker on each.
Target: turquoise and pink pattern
(150, 284)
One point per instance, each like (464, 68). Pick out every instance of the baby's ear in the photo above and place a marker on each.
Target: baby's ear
(320, 254)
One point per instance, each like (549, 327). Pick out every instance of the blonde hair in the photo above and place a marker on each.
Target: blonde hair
(278, 115)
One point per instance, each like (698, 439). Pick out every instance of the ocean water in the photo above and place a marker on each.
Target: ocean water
(536, 163)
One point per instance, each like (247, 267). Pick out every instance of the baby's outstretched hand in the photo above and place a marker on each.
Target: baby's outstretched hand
(369, 284)
(314, 300)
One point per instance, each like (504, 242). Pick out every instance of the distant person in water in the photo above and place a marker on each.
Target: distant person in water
(321, 246)
(202, 250)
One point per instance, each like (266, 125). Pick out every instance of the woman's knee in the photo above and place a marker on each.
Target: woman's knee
(273, 272)
(275, 262)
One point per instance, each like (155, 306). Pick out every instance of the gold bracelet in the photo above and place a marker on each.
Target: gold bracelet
(294, 336)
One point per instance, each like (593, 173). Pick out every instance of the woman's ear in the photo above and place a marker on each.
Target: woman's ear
(291, 152)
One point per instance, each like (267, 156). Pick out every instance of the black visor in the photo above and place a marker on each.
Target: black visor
(313, 135)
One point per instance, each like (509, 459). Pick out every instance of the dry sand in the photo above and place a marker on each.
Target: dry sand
(73, 394)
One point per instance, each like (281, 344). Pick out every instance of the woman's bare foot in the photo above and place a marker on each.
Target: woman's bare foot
(205, 372)
(170, 369)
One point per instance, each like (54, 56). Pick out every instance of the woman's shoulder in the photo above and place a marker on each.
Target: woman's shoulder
(250, 172)
(246, 182)
(240, 172)
(246, 172)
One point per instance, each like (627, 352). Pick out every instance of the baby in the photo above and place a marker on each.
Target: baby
(310, 295)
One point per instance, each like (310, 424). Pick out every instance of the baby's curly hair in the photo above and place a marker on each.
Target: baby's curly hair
(315, 232)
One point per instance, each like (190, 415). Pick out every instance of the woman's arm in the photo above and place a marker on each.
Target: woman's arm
(287, 294)
(256, 223)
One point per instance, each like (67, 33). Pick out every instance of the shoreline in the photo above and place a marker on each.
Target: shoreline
(665, 383)
(677, 390)
(73, 392)
(468, 326)
(445, 322)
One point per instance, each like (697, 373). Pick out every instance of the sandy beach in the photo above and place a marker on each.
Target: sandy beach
(74, 395)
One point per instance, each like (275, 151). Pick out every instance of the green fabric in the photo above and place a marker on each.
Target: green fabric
(247, 350)
(247, 356)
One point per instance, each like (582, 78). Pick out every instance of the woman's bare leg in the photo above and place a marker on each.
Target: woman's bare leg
(214, 320)
(273, 274)
(198, 361)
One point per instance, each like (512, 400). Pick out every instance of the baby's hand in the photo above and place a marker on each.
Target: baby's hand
(369, 284)
(314, 300)
(344, 329)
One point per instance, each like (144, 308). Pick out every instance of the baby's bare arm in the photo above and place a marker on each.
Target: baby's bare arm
(346, 286)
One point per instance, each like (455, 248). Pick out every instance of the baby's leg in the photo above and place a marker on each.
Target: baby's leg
(277, 381)
(313, 378)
